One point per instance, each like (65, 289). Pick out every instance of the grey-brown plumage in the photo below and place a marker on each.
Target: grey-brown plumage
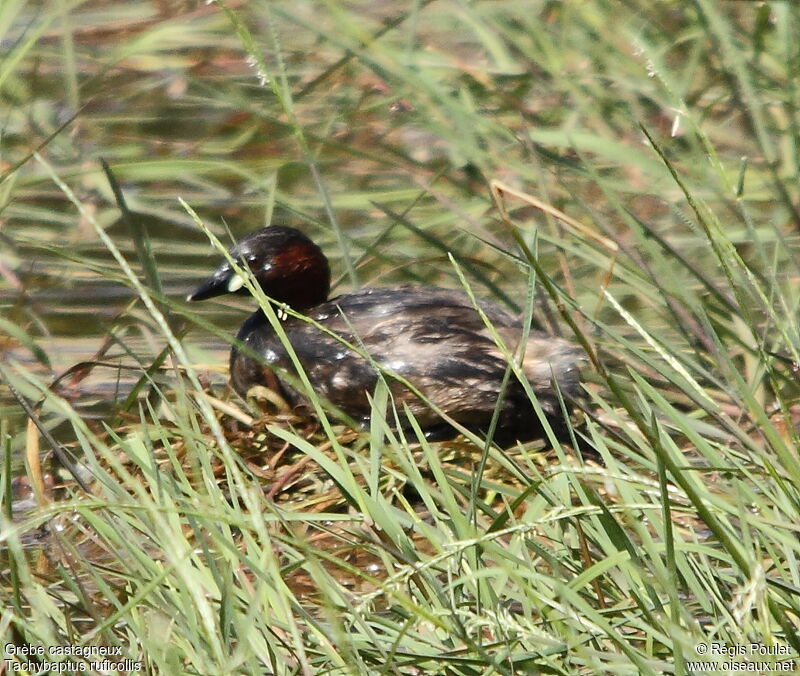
(429, 336)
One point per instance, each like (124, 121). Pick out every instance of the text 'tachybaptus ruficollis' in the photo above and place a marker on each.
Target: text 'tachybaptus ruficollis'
(432, 337)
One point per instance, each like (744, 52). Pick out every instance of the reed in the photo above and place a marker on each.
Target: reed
(625, 173)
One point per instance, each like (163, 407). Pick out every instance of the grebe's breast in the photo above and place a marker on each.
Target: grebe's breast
(430, 336)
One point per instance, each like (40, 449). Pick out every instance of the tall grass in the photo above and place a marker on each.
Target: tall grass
(625, 172)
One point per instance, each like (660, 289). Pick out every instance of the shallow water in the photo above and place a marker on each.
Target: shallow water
(70, 326)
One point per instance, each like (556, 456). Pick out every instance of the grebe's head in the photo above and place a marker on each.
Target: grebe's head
(288, 266)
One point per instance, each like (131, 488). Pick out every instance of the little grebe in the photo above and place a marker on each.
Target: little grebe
(430, 336)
